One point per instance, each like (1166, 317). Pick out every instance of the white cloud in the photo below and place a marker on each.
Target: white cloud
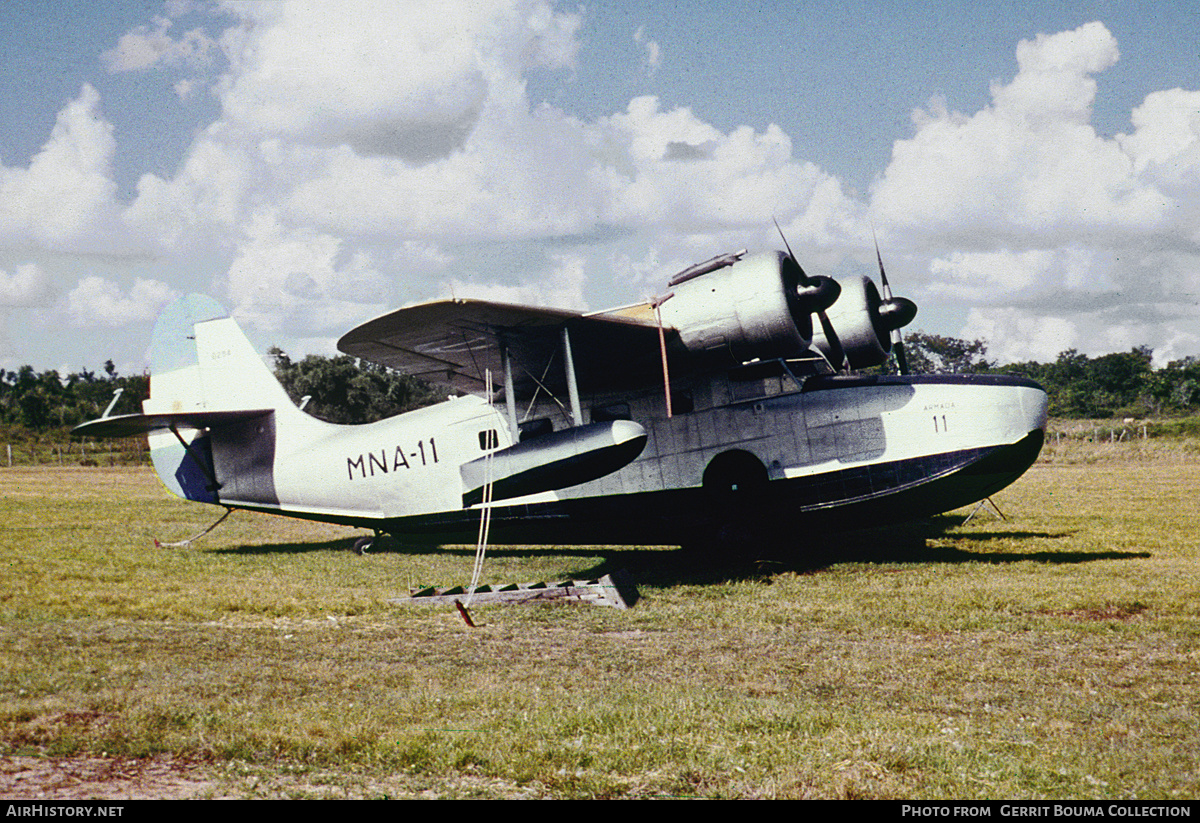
(65, 199)
(671, 170)
(1177, 346)
(96, 301)
(295, 278)
(367, 152)
(348, 129)
(28, 286)
(1029, 163)
(396, 80)
(1013, 335)
(146, 47)
(1165, 143)
(1023, 205)
(559, 286)
(1049, 274)
(652, 53)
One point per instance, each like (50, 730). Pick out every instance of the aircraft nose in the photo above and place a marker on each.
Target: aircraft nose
(1036, 404)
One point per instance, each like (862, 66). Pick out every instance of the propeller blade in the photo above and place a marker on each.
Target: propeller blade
(895, 312)
(835, 343)
(882, 274)
(787, 246)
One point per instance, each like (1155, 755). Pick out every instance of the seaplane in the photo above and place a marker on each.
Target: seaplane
(734, 403)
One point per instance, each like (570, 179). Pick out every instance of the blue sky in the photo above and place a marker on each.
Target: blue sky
(1032, 170)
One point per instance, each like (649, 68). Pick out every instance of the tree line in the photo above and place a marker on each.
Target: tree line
(339, 389)
(343, 389)
(1121, 384)
(38, 401)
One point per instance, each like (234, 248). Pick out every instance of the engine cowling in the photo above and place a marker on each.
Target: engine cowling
(733, 309)
(749, 309)
(861, 323)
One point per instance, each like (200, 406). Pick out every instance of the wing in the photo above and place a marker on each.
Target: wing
(453, 342)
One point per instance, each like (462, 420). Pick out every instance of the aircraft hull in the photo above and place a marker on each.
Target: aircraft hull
(798, 507)
(843, 453)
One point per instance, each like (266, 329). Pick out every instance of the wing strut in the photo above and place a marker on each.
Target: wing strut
(662, 347)
(572, 384)
(510, 398)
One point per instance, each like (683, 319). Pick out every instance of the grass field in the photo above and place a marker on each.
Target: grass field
(1055, 654)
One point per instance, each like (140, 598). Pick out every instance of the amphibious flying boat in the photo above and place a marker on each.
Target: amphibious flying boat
(733, 400)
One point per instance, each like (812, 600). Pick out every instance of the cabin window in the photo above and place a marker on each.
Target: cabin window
(536, 428)
(489, 439)
(611, 411)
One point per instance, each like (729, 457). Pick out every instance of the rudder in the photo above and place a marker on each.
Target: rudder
(201, 361)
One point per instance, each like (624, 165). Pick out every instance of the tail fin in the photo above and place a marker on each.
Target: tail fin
(213, 411)
(201, 361)
(221, 405)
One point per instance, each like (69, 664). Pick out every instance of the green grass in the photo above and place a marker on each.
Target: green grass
(1051, 655)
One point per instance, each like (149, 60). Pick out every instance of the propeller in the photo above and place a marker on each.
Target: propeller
(816, 295)
(894, 312)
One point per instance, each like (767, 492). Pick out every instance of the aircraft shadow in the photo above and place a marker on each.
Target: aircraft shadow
(754, 557)
(699, 565)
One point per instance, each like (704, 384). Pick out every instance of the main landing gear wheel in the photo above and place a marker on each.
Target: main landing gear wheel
(735, 482)
(363, 544)
(734, 475)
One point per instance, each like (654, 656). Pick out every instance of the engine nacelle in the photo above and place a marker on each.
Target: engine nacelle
(736, 312)
(733, 309)
(861, 323)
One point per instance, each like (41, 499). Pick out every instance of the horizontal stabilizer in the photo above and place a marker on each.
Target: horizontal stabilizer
(127, 425)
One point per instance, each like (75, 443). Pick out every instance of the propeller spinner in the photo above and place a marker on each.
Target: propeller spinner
(816, 295)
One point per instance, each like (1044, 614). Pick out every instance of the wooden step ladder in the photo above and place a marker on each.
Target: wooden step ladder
(616, 590)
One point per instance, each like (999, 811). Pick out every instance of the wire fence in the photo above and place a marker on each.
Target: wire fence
(129, 451)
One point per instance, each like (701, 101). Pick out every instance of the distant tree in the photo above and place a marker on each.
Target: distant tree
(1121, 379)
(343, 389)
(38, 401)
(1176, 386)
(935, 354)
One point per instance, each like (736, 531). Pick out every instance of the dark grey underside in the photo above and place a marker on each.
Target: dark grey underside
(858, 497)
